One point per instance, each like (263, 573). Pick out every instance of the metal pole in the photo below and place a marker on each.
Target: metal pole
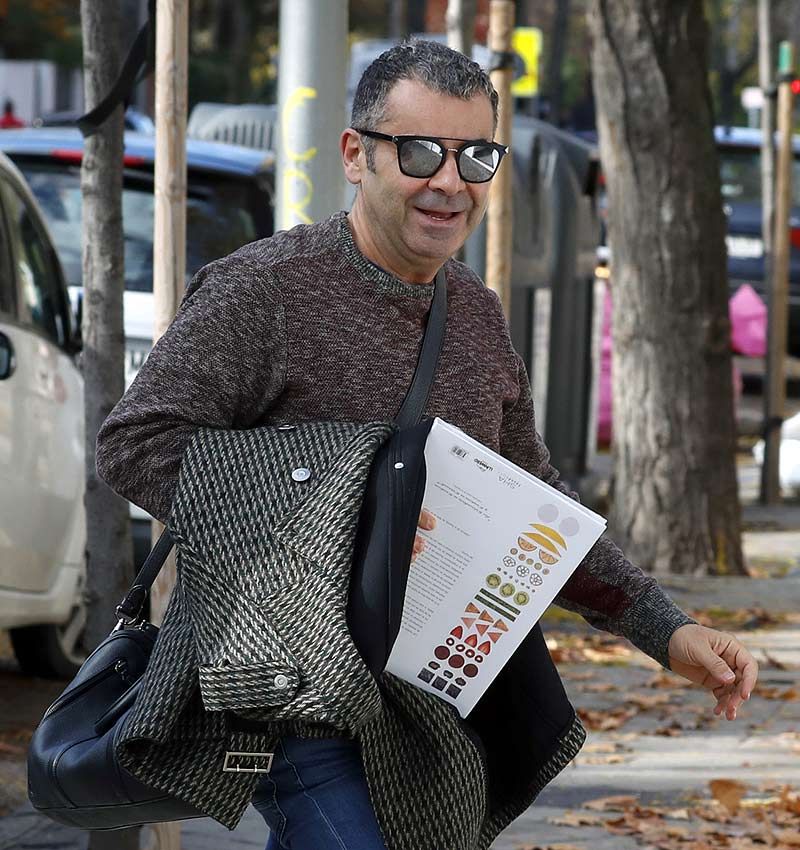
(311, 106)
(169, 244)
(779, 292)
(766, 82)
(499, 214)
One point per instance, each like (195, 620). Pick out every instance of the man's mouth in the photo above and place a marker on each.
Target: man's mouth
(437, 215)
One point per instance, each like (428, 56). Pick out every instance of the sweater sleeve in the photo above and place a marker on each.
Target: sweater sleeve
(220, 364)
(606, 589)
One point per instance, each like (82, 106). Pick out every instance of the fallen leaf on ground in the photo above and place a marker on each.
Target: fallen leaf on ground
(573, 818)
(617, 803)
(729, 792)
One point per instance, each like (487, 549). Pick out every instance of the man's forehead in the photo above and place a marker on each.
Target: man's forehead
(413, 107)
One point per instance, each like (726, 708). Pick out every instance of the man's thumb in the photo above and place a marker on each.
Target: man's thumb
(719, 669)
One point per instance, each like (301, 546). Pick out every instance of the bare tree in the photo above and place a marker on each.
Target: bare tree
(109, 551)
(676, 505)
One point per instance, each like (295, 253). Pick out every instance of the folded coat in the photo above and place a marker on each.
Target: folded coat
(254, 644)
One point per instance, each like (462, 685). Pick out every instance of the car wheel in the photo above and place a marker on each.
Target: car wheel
(52, 651)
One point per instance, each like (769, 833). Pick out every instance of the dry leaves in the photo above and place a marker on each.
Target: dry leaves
(725, 821)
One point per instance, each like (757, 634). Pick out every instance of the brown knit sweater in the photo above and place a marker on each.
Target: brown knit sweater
(302, 327)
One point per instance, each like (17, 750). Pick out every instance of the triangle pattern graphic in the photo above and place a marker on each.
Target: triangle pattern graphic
(481, 627)
(495, 636)
(468, 621)
(501, 625)
(486, 616)
(472, 609)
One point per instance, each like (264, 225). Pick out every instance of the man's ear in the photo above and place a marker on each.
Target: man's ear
(353, 156)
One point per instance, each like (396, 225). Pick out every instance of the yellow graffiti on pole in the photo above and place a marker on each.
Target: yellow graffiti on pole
(295, 176)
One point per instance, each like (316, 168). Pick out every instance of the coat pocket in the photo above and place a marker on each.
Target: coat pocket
(335, 685)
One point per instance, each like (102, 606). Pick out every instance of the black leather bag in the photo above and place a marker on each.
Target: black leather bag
(74, 776)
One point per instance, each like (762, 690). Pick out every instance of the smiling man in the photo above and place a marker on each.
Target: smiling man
(325, 322)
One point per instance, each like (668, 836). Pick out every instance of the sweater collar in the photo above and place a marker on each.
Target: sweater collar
(385, 282)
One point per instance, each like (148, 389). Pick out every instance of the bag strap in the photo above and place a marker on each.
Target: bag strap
(410, 413)
(417, 396)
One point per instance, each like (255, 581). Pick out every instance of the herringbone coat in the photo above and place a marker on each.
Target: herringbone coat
(254, 645)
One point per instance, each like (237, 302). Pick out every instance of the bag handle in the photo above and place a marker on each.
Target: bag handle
(130, 609)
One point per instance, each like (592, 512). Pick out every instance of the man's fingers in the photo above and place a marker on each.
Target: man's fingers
(427, 520)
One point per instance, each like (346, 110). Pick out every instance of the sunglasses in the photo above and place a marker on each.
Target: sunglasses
(422, 156)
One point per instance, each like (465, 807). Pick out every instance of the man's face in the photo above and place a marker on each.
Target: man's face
(417, 223)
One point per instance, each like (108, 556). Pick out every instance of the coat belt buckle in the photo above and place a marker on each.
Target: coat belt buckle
(232, 763)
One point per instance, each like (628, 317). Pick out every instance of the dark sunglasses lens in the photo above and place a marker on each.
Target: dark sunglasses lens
(420, 157)
(478, 163)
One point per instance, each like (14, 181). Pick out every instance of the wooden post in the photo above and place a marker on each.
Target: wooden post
(779, 290)
(169, 243)
(766, 80)
(499, 214)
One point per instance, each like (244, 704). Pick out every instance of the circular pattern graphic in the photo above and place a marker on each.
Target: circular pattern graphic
(523, 570)
(569, 527)
(507, 589)
(460, 647)
(513, 551)
(493, 580)
(470, 671)
(450, 641)
(521, 598)
(548, 513)
(470, 653)
(536, 579)
(529, 560)
(509, 561)
(441, 652)
(521, 556)
(456, 661)
(546, 572)
(479, 658)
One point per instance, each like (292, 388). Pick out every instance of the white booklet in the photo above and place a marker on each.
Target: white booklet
(504, 544)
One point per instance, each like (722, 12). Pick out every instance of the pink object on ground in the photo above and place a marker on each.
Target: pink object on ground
(748, 315)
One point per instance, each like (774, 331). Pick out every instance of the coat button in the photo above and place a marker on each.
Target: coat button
(280, 681)
(301, 474)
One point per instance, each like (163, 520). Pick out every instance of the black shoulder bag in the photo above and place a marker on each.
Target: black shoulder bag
(73, 773)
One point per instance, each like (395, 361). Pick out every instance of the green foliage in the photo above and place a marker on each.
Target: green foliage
(43, 29)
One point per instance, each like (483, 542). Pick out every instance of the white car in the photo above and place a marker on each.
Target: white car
(229, 203)
(42, 520)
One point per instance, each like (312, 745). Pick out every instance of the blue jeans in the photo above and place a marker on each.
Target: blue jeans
(315, 797)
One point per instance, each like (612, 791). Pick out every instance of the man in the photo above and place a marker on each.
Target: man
(324, 322)
(9, 119)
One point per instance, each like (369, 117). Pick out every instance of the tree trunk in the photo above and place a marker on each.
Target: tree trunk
(460, 20)
(108, 543)
(676, 506)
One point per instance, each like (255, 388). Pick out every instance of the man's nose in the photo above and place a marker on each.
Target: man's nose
(447, 179)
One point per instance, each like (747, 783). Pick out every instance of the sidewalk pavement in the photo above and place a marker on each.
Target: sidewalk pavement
(668, 766)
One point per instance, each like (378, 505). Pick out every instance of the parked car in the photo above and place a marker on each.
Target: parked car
(229, 203)
(42, 524)
(739, 151)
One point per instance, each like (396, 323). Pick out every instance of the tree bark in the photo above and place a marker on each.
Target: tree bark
(676, 506)
(460, 21)
(108, 543)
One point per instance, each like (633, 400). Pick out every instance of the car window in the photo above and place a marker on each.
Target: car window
(37, 269)
(221, 216)
(7, 285)
(740, 175)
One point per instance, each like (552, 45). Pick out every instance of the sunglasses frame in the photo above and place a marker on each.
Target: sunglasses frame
(399, 141)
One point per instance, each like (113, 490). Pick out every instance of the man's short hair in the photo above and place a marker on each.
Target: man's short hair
(434, 65)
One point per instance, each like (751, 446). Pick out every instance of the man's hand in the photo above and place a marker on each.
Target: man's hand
(427, 521)
(716, 661)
